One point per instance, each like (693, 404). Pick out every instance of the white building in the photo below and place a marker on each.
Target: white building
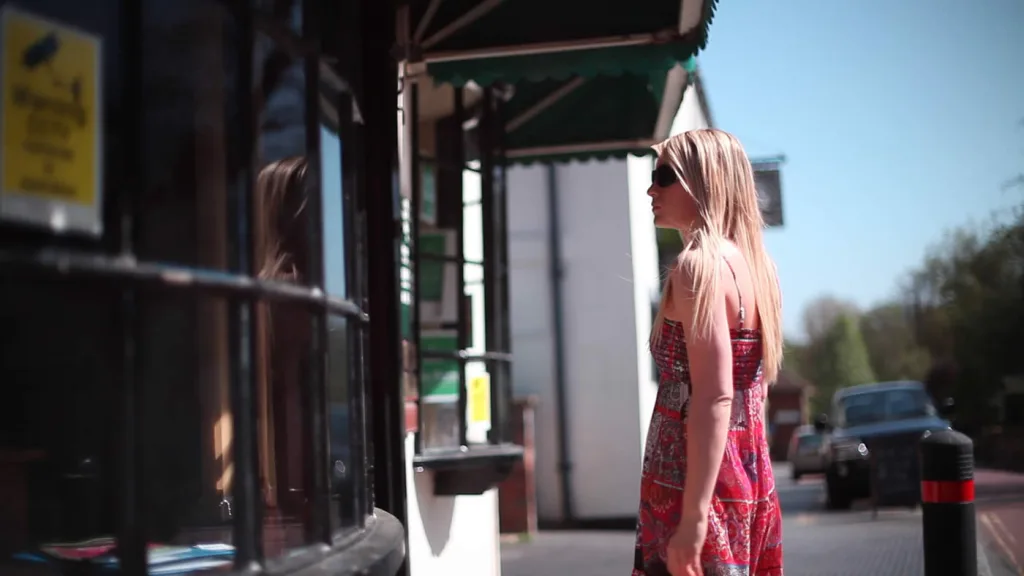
(584, 278)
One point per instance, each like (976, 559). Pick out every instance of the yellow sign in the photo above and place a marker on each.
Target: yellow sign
(51, 116)
(480, 399)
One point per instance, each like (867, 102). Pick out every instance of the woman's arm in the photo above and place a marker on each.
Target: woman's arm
(710, 356)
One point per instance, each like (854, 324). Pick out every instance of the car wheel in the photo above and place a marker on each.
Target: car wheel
(796, 476)
(836, 497)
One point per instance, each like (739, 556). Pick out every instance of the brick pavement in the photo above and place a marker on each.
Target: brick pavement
(817, 542)
(592, 553)
(823, 544)
(1000, 509)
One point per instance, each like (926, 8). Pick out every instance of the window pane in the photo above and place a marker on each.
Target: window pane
(63, 155)
(439, 376)
(335, 260)
(474, 290)
(473, 223)
(284, 376)
(184, 356)
(440, 423)
(285, 352)
(345, 413)
(282, 130)
(192, 150)
(288, 12)
(439, 386)
(281, 227)
(479, 379)
(473, 249)
(60, 358)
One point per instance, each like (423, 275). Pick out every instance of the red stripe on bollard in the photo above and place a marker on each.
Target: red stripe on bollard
(947, 492)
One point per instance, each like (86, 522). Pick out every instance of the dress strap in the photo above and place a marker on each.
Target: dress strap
(739, 294)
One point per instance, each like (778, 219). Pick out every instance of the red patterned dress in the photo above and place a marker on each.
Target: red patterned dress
(745, 526)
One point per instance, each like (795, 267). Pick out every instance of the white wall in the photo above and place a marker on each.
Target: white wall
(450, 534)
(690, 115)
(599, 339)
(533, 344)
(646, 281)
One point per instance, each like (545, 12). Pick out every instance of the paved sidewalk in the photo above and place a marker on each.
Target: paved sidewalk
(1000, 511)
(817, 542)
(590, 553)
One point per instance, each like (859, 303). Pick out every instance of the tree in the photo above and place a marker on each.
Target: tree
(970, 311)
(890, 340)
(820, 314)
(794, 358)
(841, 360)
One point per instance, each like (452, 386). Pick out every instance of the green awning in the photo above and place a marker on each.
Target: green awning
(592, 118)
(489, 41)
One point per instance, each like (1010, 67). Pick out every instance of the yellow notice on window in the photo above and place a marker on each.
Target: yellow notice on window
(480, 399)
(51, 118)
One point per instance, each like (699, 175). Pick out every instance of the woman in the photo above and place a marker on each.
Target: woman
(282, 336)
(708, 503)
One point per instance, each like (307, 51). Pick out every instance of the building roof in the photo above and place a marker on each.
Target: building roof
(702, 97)
(792, 382)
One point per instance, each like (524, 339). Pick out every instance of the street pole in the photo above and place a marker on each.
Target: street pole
(947, 504)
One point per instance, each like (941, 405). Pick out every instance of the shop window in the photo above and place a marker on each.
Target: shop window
(58, 421)
(61, 353)
(188, 376)
(459, 316)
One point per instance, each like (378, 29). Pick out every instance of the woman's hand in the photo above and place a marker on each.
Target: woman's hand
(684, 547)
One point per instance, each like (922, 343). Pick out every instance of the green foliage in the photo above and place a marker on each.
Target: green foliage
(841, 360)
(891, 343)
(794, 358)
(960, 313)
(978, 285)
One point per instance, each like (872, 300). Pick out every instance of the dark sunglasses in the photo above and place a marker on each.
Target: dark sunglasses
(663, 176)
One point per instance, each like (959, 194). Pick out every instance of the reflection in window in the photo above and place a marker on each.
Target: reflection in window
(192, 152)
(62, 344)
(289, 12)
(283, 332)
(344, 473)
(283, 356)
(335, 260)
(60, 366)
(187, 432)
(60, 355)
(344, 407)
(190, 85)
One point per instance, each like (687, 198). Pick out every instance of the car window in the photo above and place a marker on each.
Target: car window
(885, 405)
(809, 441)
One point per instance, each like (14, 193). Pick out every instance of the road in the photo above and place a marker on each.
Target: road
(817, 542)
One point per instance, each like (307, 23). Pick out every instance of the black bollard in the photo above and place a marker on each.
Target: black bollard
(947, 504)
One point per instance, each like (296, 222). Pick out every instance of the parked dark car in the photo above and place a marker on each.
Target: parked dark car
(887, 418)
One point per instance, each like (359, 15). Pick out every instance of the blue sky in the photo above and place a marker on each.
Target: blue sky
(900, 120)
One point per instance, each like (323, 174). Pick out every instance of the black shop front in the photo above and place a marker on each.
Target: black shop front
(185, 333)
(219, 264)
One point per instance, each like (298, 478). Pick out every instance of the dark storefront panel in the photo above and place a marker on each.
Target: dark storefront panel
(190, 375)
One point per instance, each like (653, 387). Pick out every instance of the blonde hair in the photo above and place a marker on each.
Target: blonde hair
(714, 169)
(280, 200)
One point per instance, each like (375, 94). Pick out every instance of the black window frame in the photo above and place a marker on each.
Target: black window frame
(468, 468)
(110, 261)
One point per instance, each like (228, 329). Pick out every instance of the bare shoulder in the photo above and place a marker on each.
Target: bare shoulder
(692, 263)
(683, 273)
